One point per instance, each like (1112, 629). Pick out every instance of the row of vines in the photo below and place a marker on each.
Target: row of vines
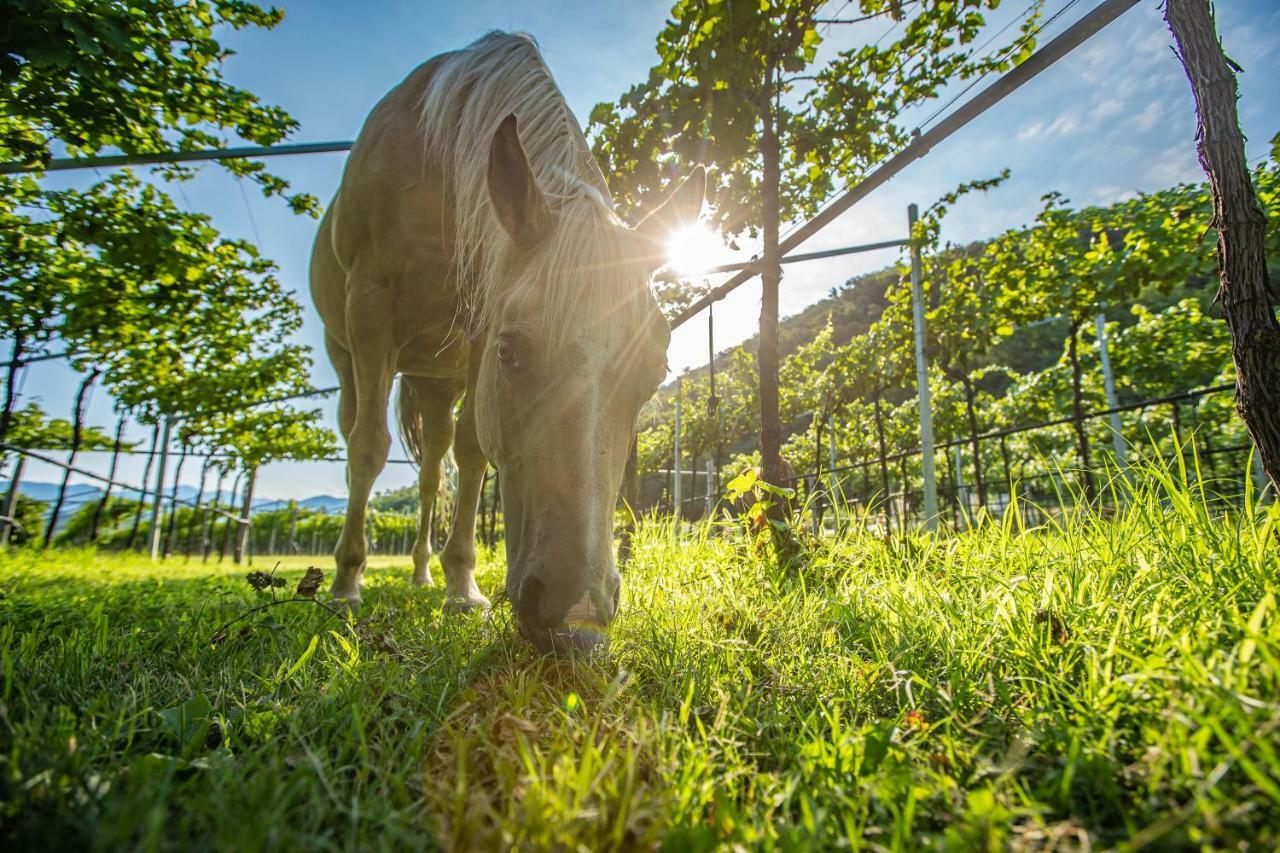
(1013, 340)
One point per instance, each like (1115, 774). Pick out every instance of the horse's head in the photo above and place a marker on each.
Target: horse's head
(574, 345)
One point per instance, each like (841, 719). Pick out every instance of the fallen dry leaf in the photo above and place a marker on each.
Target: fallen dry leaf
(310, 583)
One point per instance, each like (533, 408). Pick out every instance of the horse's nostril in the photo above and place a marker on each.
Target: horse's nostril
(562, 638)
(574, 639)
(528, 607)
(529, 601)
(615, 594)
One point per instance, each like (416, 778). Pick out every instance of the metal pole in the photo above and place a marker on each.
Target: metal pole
(753, 265)
(1259, 475)
(58, 164)
(711, 488)
(676, 485)
(1109, 383)
(156, 507)
(962, 495)
(834, 477)
(922, 382)
(243, 538)
(11, 499)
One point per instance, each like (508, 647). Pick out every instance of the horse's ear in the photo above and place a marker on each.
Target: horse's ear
(680, 208)
(517, 199)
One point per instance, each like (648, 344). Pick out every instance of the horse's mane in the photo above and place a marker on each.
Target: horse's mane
(469, 95)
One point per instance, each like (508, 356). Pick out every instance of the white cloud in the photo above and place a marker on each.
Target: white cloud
(1063, 125)
(1108, 107)
(1151, 114)
(1175, 164)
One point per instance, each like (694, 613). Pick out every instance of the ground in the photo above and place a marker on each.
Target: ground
(1098, 682)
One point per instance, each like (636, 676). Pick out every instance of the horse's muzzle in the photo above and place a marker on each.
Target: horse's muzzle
(581, 628)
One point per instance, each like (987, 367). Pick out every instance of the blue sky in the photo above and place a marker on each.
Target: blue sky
(1113, 118)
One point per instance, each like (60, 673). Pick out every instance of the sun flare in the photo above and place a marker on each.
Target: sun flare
(694, 249)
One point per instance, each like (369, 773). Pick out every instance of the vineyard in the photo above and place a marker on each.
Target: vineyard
(978, 550)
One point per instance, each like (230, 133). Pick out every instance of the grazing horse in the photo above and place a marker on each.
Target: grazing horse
(472, 248)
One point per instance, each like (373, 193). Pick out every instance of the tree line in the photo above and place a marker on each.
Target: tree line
(188, 330)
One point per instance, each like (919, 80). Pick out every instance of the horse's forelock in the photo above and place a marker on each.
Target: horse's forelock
(591, 280)
(588, 257)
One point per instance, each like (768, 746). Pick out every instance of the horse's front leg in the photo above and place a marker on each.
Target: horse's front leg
(367, 446)
(459, 555)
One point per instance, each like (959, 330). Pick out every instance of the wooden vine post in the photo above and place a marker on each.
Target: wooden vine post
(1246, 293)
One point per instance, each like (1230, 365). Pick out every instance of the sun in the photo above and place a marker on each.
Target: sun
(694, 249)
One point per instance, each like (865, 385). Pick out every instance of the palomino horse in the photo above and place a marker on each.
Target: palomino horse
(472, 248)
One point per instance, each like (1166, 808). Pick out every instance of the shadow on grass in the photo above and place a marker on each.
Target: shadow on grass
(132, 717)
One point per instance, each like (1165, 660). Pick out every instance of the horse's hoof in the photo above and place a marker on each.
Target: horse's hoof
(423, 579)
(465, 604)
(345, 600)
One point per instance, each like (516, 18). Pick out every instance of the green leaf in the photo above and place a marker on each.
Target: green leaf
(303, 658)
(188, 721)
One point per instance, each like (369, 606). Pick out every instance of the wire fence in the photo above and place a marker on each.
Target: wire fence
(888, 487)
(222, 519)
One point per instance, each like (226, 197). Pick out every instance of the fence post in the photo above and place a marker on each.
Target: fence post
(1259, 474)
(11, 499)
(1109, 384)
(173, 499)
(676, 490)
(904, 492)
(156, 507)
(922, 380)
(962, 495)
(1008, 476)
(711, 488)
(242, 538)
(834, 478)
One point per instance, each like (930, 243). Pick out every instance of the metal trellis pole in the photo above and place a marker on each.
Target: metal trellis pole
(156, 507)
(834, 477)
(711, 488)
(962, 492)
(922, 382)
(244, 543)
(1260, 480)
(1109, 383)
(676, 490)
(11, 499)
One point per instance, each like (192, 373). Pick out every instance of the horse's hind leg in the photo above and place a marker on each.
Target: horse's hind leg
(433, 403)
(341, 361)
(459, 555)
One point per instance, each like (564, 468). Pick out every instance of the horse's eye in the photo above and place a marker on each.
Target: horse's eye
(508, 354)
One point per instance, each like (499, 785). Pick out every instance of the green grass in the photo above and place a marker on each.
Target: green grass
(1112, 682)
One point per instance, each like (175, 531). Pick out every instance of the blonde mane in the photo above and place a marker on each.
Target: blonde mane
(470, 94)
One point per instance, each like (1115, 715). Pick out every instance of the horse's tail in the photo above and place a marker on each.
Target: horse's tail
(409, 416)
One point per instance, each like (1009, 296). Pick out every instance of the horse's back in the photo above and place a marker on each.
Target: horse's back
(390, 190)
(382, 252)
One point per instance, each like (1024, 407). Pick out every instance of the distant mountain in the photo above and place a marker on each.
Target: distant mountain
(79, 494)
(327, 504)
(48, 492)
